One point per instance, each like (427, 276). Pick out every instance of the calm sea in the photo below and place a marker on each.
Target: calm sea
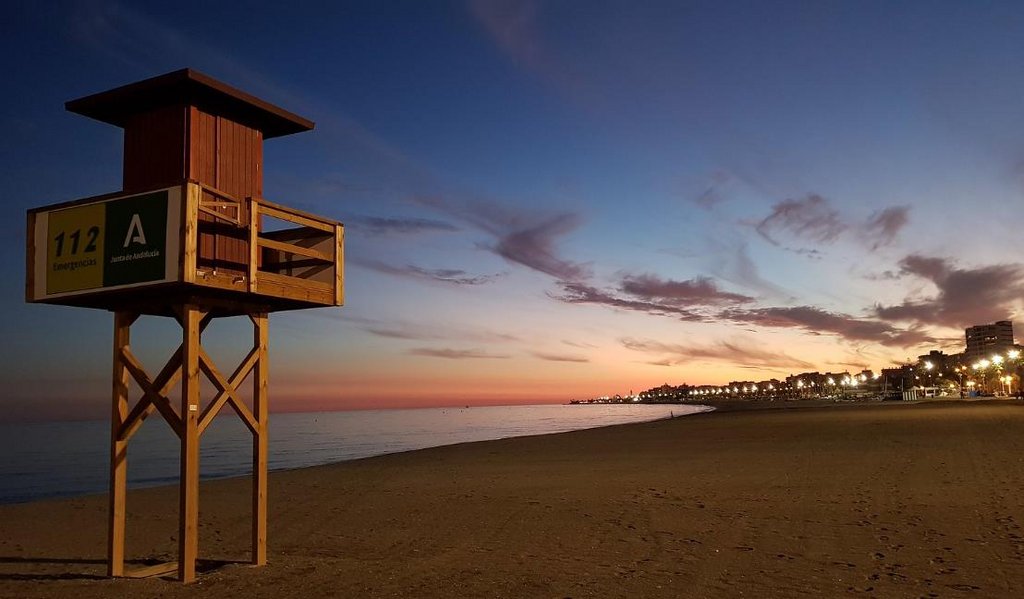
(55, 459)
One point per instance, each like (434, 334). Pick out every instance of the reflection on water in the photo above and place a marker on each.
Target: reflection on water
(55, 459)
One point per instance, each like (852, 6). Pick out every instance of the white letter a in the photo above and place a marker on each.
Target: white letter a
(135, 232)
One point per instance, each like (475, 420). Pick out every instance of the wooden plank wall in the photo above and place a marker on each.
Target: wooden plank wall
(154, 149)
(228, 156)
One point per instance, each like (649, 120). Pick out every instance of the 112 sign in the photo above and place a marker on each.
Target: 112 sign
(91, 236)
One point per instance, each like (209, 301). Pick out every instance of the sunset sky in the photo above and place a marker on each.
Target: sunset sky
(555, 200)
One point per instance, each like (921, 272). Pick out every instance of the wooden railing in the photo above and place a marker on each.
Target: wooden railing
(302, 260)
(303, 263)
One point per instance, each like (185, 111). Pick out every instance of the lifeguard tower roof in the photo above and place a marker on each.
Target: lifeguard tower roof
(190, 87)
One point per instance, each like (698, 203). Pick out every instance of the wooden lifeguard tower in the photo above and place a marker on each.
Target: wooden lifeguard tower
(189, 236)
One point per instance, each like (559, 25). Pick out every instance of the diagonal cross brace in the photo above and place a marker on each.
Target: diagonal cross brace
(154, 392)
(227, 389)
(165, 381)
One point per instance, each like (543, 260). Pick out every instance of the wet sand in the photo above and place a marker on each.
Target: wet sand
(894, 500)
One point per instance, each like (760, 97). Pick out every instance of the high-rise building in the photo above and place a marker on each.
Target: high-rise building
(984, 340)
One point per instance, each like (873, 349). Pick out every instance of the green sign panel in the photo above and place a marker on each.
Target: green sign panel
(120, 242)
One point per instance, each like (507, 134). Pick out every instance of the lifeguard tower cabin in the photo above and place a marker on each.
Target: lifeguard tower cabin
(188, 236)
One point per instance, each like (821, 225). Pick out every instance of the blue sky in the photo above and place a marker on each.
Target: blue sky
(552, 200)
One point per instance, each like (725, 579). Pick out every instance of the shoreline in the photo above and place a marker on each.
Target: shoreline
(867, 498)
(40, 471)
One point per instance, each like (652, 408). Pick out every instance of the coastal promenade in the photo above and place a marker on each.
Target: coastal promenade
(886, 500)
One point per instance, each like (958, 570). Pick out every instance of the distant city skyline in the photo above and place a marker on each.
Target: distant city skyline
(988, 347)
(548, 201)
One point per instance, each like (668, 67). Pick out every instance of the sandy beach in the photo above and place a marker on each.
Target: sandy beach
(894, 500)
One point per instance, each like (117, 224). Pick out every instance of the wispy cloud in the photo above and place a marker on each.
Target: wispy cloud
(817, 321)
(559, 357)
(579, 345)
(581, 293)
(714, 193)
(966, 296)
(442, 275)
(732, 352)
(698, 291)
(512, 24)
(375, 225)
(730, 260)
(810, 218)
(882, 227)
(690, 299)
(700, 300)
(813, 219)
(516, 30)
(523, 238)
(432, 331)
(534, 247)
(456, 354)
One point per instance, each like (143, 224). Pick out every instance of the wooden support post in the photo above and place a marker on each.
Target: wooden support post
(190, 361)
(188, 514)
(259, 440)
(118, 446)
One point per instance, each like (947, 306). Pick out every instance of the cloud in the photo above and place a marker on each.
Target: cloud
(883, 226)
(431, 332)
(816, 321)
(730, 261)
(809, 218)
(733, 352)
(519, 237)
(714, 194)
(442, 275)
(697, 291)
(579, 345)
(559, 357)
(581, 293)
(813, 219)
(700, 300)
(688, 300)
(374, 225)
(533, 247)
(965, 296)
(512, 24)
(455, 354)
(854, 365)
(516, 30)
